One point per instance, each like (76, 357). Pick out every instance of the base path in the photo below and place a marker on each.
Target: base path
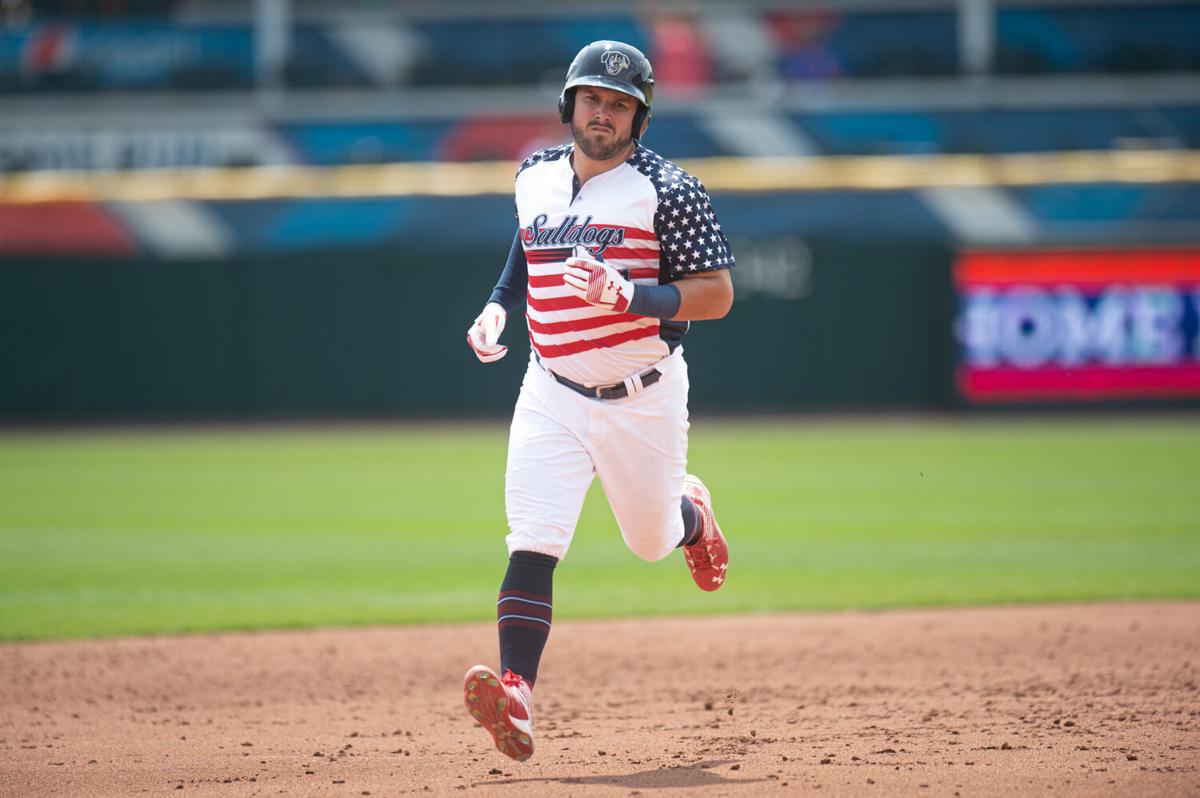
(1067, 700)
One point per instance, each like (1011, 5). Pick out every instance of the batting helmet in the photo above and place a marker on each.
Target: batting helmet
(610, 65)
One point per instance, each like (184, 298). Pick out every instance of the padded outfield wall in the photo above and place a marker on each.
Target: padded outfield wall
(381, 333)
(819, 324)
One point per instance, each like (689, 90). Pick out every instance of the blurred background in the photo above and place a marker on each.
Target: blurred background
(293, 208)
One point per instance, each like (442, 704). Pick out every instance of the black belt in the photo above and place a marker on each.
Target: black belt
(614, 391)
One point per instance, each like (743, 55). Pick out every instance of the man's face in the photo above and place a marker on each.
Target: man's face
(603, 122)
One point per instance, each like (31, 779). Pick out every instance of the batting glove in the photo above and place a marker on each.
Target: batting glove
(598, 284)
(485, 332)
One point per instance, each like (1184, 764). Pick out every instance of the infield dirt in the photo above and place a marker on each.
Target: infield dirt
(1064, 700)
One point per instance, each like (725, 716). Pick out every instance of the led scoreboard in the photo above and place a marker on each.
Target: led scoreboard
(1078, 325)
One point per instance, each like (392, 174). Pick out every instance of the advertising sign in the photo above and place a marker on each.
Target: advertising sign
(1078, 325)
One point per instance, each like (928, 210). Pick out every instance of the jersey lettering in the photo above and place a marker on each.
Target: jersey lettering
(570, 232)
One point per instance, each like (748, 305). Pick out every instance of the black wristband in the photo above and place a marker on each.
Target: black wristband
(656, 301)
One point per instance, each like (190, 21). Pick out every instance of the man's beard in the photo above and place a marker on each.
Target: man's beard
(597, 151)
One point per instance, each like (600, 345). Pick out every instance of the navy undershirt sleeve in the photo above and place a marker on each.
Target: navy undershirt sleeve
(656, 301)
(510, 290)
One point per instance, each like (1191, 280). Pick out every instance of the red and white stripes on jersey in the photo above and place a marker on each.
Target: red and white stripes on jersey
(618, 217)
(562, 325)
(612, 217)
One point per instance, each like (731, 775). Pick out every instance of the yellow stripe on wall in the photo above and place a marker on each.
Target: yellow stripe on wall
(867, 173)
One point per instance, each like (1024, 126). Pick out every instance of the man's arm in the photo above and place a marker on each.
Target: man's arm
(695, 257)
(697, 296)
(510, 288)
(483, 336)
(705, 295)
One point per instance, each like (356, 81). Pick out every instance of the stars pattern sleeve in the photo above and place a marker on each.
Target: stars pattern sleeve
(689, 235)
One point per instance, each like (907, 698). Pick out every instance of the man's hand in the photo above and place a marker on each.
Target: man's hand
(598, 284)
(485, 332)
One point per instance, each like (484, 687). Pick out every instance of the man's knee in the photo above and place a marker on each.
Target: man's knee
(654, 542)
(650, 551)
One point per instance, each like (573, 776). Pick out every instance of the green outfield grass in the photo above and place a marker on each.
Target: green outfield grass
(124, 532)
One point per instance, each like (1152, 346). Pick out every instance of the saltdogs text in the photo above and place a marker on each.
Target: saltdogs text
(571, 232)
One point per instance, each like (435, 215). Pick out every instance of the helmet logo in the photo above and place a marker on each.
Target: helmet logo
(614, 61)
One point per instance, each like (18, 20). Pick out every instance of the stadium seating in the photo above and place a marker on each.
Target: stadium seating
(735, 80)
(148, 54)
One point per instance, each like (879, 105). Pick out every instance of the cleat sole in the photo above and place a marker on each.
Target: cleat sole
(487, 703)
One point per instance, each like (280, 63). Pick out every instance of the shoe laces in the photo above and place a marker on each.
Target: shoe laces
(522, 689)
(517, 683)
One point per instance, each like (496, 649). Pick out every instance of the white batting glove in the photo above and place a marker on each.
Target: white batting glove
(597, 284)
(483, 334)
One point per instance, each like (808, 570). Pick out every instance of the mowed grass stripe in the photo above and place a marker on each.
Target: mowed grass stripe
(194, 529)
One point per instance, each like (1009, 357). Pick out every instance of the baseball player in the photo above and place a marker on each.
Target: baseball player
(616, 250)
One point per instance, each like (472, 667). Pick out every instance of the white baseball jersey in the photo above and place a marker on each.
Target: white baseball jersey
(646, 217)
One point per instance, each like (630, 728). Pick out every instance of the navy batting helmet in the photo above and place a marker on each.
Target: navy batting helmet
(610, 65)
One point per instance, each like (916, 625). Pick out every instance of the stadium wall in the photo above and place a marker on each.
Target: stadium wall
(365, 334)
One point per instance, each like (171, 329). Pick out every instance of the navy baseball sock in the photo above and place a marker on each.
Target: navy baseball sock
(691, 523)
(523, 612)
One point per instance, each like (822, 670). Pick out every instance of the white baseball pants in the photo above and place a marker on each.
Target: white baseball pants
(637, 445)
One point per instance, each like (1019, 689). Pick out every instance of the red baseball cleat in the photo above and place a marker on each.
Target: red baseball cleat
(503, 705)
(708, 559)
